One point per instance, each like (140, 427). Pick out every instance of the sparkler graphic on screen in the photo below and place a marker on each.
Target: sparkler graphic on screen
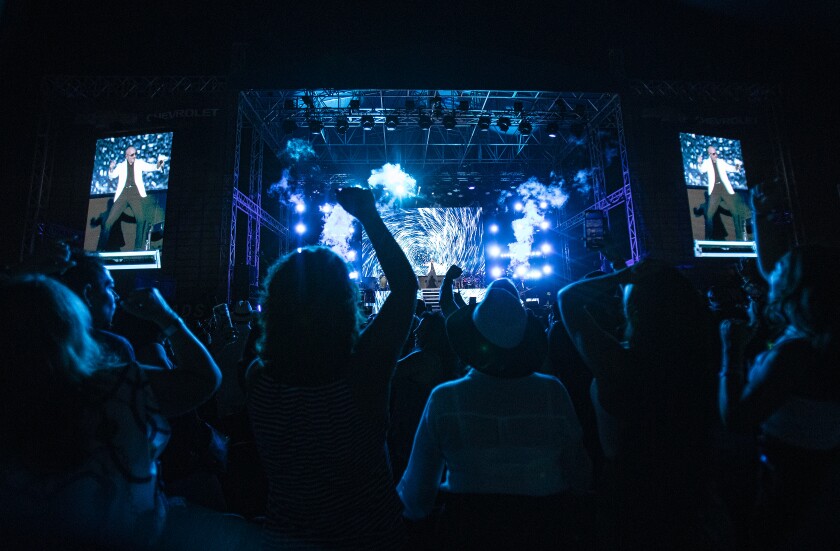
(443, 236)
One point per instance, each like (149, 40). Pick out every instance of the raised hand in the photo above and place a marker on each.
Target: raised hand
(357, 201)
(454, 272)
(113, 165)
(149, 304)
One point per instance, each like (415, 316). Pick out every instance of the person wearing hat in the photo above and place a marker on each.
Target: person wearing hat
(505, 436)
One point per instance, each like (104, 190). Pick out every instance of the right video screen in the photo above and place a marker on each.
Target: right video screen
(718, 198)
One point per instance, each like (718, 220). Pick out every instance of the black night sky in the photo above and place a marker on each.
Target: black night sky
(515, 45)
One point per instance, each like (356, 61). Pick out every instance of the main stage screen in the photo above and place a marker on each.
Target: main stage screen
(433, 236)
(718, 200)
(128, 195)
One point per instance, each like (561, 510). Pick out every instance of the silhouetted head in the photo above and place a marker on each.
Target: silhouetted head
(92, 282)
(310, 311)
(804, 289)
(665, 313)
(47, 353)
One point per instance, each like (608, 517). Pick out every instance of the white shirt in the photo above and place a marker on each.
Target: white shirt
(517, 436)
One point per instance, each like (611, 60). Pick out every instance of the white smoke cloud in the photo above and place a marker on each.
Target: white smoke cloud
(583, 181)
(397, 182)
(338, 230)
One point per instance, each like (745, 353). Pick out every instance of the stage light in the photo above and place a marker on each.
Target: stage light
(543, 204)
(351, 255)
(503, 123)
(547, 269)
(409, 104)
(391, 122)
(326, 208)
(546, 248)
(544, 225)
(354, 275)
(399, 190)
(289, 126)
(470, 188)
(449, 121)
(300, 208)
(367, 122)
(525, 127)
(484, 123)
(517, 107)
(578, 129)
(355, 104)
(534, 274)
(315, 126)
(552, 128)
(494, 228)
(341, 125)
(300, 228)
(464, 105)
(307, 100)
(518, 206)
(496, 272)
(494, 251)
(425, 122)
(521, 270)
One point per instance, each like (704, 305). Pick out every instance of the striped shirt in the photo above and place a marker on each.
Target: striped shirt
(330, 483)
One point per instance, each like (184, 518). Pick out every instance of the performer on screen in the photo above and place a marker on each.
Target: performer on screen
(131, 192)
(720, 193)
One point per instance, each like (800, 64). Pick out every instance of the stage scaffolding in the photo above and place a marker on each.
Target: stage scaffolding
(461, 129)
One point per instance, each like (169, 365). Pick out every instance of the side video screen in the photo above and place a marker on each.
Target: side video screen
(126, 210)
(718, 200)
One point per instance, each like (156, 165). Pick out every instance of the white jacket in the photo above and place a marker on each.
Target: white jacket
(707, 168)
(120, 171)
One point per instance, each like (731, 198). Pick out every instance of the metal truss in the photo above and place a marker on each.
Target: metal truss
(711, 92)
(432, 126)
(133, 87)
(39, 186)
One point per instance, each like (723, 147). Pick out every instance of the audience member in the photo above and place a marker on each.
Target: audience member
(507, 439)
(791, 394)
(433, 362)
(655, 396)
(81, 428)
(318, 395)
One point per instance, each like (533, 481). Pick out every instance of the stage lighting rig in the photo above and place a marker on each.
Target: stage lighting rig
(367, 122)
(525, 127)
(503, 123)
(342, 125)
(315, 126)
(552, 129)
(425, 122)
(484, 123)
(449, 121)
(391, 122)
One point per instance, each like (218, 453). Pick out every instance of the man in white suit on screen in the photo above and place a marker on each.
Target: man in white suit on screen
(131, 192)
(721, 193)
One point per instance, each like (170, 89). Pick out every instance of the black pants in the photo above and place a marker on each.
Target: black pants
(732, 203)
(129, 197)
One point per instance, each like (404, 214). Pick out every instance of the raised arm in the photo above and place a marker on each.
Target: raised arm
(446, 298)
(386, 334)
(600, 350)
(196, 376)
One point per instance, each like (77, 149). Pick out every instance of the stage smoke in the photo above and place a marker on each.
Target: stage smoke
(338, 229)
(583, 181)
(281, 187)
(394, 179)
(537, 198)
(299, 150)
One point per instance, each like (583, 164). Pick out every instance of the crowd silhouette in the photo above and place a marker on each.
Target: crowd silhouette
(639, 413)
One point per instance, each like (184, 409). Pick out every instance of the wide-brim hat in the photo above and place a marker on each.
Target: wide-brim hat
(497, 335)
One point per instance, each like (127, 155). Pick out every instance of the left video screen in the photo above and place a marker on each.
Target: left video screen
(128, 188)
